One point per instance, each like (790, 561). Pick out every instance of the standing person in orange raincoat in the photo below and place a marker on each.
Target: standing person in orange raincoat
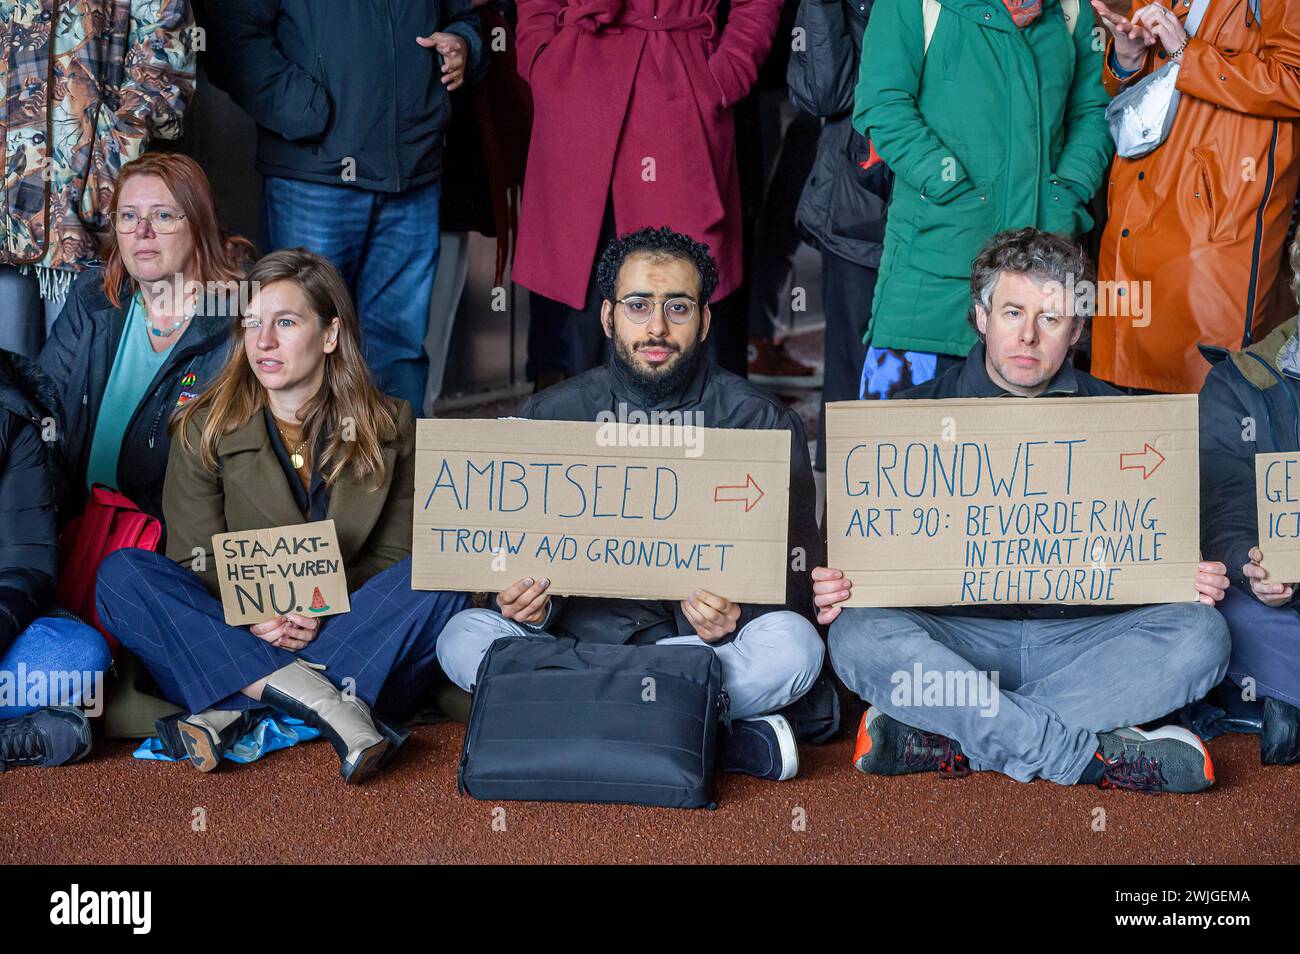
(1203, 217)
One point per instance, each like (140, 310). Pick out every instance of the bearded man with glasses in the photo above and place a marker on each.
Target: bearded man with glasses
(655, 286)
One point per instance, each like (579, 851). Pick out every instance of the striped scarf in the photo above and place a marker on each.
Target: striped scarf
(1024, 12)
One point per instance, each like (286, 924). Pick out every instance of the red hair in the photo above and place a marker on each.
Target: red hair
(220, 256)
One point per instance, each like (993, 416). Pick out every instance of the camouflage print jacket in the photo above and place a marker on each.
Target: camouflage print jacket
(84, 84)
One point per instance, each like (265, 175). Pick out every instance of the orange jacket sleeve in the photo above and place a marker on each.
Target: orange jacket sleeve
(1267, 84)
(1109, 79)
(1112, 81)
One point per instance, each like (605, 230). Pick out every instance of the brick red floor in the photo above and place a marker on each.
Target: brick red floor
(292, 807)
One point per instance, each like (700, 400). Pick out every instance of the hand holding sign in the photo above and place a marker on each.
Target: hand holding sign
(1211, 582)
(290, 632)
(713, 617)
(526, 602)
(830, 588)
(1267, 592)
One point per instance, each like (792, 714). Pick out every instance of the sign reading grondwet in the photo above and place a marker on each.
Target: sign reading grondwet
(1013, 500)
(1277, 497)
(618, 509)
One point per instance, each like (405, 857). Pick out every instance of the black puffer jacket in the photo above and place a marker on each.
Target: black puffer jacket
(1250, 405)
(724, 400)
(28, 524)
(78, 358)
(843, 205)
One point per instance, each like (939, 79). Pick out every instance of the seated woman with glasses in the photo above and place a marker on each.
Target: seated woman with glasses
(145, 333)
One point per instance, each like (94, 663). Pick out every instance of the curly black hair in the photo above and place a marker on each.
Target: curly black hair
(660, 242)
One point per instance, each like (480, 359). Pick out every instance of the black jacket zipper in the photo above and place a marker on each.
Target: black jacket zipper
(392, 40)
(1259, 238)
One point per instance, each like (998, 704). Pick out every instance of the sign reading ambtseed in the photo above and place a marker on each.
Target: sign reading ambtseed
(639, 511)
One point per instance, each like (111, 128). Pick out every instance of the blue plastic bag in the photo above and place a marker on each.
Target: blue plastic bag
(273, 732)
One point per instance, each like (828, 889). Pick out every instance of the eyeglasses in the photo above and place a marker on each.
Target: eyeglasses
(639, 310)
(162, 221)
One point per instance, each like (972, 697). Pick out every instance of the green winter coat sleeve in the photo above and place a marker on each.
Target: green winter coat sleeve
(1088, 147)
(885, 103)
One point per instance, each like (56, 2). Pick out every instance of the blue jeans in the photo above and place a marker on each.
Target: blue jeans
(386, 247)
(164, 614)
(62, 659)
(1265, 645)
(1059, 681)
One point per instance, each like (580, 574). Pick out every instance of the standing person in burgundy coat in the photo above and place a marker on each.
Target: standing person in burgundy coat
(632, 127)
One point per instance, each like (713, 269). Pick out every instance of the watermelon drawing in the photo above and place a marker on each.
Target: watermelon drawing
(318, 602)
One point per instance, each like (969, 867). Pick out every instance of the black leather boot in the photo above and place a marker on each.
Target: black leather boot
(205, 736)
(1280, 742)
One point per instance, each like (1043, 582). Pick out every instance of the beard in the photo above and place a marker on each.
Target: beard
(656, 384)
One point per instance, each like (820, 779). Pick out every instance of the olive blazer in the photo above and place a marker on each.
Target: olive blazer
(250, 491)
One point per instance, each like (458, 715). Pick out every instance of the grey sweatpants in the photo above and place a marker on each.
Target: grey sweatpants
(772, 661)
(1058, 682)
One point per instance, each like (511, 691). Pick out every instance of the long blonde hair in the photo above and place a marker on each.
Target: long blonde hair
(348, 408)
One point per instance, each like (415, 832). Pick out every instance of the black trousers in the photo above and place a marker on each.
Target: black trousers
(847, 290)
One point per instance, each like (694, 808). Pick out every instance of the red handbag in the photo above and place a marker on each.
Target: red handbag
(109, 522)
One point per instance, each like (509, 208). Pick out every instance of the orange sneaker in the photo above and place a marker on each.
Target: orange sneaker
(1168, 759)
(886, 746)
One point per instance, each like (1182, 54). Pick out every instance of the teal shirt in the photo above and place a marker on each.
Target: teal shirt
(133, 372)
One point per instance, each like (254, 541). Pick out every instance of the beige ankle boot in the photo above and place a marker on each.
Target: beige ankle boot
(301, 691)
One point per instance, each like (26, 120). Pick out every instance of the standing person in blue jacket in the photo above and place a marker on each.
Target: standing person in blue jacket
(351, 101)
(45, 662)
(1251, 405)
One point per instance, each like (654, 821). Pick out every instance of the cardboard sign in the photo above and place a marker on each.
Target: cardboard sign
(644, 511)
(267, 573)
(1009, 500)
(1277, 495)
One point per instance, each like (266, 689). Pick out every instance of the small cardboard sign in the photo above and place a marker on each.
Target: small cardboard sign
(641, 511)
(279, 570)
(1014, 500)
(1277, 495)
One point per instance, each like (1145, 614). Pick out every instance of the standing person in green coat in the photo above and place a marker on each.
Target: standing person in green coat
(992, 115)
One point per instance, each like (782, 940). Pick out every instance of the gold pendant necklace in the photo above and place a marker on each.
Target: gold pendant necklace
(295, 457)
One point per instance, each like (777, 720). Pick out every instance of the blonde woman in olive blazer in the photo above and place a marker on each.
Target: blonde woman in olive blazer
(293, 430)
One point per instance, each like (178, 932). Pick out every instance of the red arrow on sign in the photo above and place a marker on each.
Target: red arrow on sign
(742, 492)
(1147, 461)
